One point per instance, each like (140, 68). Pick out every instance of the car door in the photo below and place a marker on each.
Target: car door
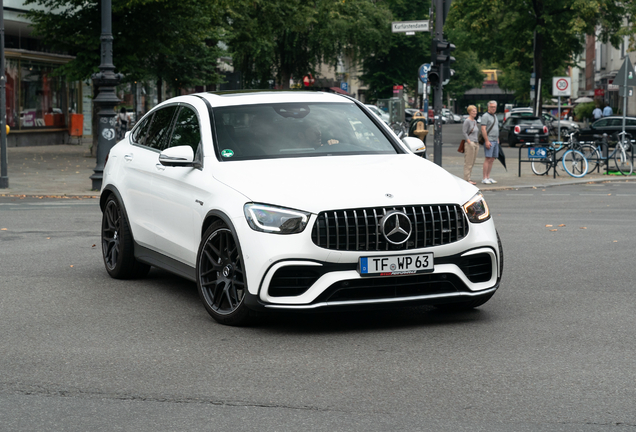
(139, 158)
(179, 191)
(505, 131)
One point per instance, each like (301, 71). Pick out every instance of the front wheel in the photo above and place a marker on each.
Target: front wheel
(220, 273)
(623, 161)
(574, 163)
(592, 154)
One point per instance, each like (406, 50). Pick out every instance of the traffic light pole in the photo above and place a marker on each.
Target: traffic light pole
(437, 87)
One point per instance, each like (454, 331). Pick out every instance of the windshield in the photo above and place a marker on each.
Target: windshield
(296, 129)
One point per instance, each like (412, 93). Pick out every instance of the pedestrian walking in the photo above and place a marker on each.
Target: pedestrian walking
(490, 133)
(122, 123)
(607, 111)
(471, 146)
(597, 113)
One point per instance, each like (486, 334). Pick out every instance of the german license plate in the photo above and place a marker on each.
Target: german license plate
(396, 265)
(532, 130)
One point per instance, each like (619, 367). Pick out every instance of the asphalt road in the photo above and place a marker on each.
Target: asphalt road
(552, 351)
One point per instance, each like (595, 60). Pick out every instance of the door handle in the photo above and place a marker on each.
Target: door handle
(128, 157)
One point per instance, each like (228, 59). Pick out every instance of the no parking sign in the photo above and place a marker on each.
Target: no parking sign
(561, 86)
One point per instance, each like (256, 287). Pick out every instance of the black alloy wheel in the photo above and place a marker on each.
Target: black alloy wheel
(221, 277)
(118, 244)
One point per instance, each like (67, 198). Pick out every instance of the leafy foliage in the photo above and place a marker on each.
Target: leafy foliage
(399, 61)
(172, 40)
(290, 38)
(540, 35)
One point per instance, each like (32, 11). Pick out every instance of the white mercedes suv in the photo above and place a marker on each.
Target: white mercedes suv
(293, 201)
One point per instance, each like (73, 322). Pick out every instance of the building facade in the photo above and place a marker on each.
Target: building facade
(39, 104)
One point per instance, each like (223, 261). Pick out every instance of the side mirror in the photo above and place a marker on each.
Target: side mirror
(177, 156)
(416, 145)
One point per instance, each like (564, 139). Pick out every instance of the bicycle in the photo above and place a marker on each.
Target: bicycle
(400, 129)
(573, 161)
(622, 155)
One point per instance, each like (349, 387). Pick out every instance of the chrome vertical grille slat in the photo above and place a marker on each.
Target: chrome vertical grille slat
(359, 229)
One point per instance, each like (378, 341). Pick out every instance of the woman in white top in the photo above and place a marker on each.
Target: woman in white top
(470, 130)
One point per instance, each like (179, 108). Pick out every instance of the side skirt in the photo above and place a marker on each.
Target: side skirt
(156, 259)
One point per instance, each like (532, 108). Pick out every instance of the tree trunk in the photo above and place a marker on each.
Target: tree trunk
(159, 90)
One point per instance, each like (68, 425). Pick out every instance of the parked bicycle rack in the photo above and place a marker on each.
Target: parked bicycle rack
(534, 153)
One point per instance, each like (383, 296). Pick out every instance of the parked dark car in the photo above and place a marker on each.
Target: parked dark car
(609, 125)
(522, 129)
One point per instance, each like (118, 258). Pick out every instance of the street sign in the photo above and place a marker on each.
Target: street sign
(344, 86)
(626, 69)
(423, 72)
(409, 26)
(561, 86)
(621, 91)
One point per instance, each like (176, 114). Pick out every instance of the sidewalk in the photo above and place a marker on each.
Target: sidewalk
(65, 170)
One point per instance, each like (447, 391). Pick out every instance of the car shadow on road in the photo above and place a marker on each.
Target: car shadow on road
(368, 320)
(334, 321)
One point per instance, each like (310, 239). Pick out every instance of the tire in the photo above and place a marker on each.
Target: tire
(118, 244)
(511, 142)
(220, 274)
(541, 166)
(592, 154)
(623, 161)
(574, 163)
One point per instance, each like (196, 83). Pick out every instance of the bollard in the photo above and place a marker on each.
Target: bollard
(605, 146)
(536, 140)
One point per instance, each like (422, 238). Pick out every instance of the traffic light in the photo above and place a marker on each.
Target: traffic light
(441, 60)
(434, 75)
(449, 48)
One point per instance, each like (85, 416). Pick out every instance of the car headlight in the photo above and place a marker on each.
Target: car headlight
(277, 220)
(476, 209)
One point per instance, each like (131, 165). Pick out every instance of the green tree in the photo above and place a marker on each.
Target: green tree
(402, 56)
(152, 39)
(543, 36)
(282, 39)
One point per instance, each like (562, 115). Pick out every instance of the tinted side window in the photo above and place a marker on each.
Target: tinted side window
(140, 133)
(630, 122)
(186, 130)
(600, 123)
(160, 128)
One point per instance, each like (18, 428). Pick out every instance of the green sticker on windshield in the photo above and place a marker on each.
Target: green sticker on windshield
(227, 153)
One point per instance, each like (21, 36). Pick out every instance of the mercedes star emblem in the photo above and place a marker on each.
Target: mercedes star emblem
(396, 227)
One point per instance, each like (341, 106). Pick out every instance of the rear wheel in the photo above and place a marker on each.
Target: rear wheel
(541, 166)
(221, 277)
(118, 244)
(574, 163)
(623, 161)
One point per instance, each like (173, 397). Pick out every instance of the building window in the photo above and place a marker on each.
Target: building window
(41, 96)
(36, 98)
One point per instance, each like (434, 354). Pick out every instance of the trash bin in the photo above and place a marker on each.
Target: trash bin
(76, 126)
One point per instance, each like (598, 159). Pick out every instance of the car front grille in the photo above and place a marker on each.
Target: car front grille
(360, 230)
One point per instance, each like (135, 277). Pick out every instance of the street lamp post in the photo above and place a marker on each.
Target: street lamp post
(105, 80)
(4, 177)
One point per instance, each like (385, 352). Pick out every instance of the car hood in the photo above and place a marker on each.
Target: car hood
(315, 184)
